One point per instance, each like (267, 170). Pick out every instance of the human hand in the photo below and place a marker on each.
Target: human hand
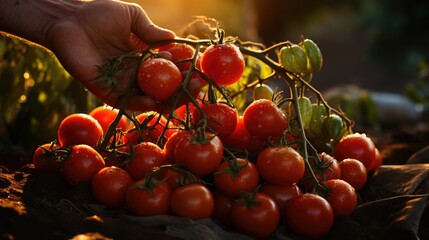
(97, 31)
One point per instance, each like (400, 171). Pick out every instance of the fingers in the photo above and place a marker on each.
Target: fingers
(145, 29)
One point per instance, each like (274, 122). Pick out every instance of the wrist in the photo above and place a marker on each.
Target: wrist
(32, 19)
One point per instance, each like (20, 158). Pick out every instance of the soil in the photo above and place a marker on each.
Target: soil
(393, 204)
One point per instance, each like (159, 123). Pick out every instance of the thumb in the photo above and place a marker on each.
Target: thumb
(145, 29)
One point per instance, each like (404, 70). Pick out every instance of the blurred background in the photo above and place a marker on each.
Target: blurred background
(378, 45)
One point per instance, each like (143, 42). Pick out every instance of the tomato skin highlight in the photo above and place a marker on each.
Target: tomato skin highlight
(280, 165)
(159, 78)
(223, 63)
(82, 164)
(259, 221)
(109, 185)
(309, 215)
(199, 158)
(140, 202)
(193, 201)
(79, 128)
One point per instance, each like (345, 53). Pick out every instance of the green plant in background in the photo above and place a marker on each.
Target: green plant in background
(418, 90)
(35, 94)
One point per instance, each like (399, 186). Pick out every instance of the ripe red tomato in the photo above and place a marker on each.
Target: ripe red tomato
(171, 143)
(259, 220)
(221, 118)
(280, 193)
(79, 128)
(144, 200)
(82, 164)
(223, 63)
(280, 165)
(106, 115)
(263, 119)
(357, 146)
(146, 156)
(180, 52)
(193, 201)
(159, 78)
(342, 197)
(309, 215)
(109, 185)
(222, 208)
(235, 176)
(378, 161)
(45, 159)
(354, 172)
(242, 139)
(200, 158)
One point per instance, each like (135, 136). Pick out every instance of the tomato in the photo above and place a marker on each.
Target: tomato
(46, 159)
(325, 169)
(194, 86)
(199, 157)
(263, 119)
(82, 164)
(222, 208)
(378, 160)
(293, 58)
(354, 172)
(280, 165)
(109, 185)
(280, 193)
(357, 146)
(193, 201)
(144, 198)
(176, 177)
(257, 217)
(318, 114)
(221, 119)
(223, 63)
(314, 55)
(159, 78)
(180, 52)
(152, 127)
(309, 215)
(79, 128)
(305, 110)
(145, 157)
(106, 115)
(234, 176)
(342, 197)
(333, 127)
(241, 138)
(171, 143)
(262, 90)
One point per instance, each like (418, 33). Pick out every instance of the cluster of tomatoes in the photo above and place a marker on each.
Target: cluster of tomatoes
(250, 171)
